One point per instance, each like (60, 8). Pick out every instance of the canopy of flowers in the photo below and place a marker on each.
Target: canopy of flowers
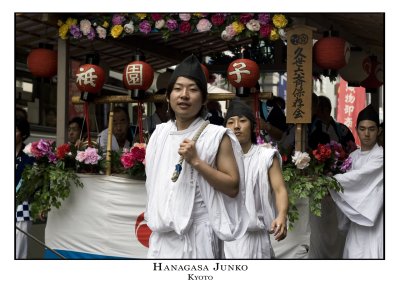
(47, 182)
(228, 25)
(309, 175)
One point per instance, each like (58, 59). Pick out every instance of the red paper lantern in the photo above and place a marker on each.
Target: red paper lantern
(331, 53)
(243, 73)
(205, 70)
(138, 75)
(373, 67)
(42, 62)
(90, 78)
(142, 231)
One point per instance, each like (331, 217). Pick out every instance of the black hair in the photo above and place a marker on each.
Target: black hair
(237, 108)
(78, 120)
(23, 111)
(23, 126)
(204, 93)
(368, 113)
(324, 103)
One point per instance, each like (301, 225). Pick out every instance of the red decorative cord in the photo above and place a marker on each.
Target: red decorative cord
(86, 111)
(257, 112)
(140, 122)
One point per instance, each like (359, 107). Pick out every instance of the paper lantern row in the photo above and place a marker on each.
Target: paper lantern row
(137, 74)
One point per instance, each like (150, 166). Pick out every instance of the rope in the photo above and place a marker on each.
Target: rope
(140, 121)
(178, 167)
(86, 112)
(41, 243)
(257, 112)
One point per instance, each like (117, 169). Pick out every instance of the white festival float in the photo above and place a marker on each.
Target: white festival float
(104, 220)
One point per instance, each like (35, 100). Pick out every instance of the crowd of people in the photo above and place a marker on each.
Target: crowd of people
(224, 195)
(178, 231)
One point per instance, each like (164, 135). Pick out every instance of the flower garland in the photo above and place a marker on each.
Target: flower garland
(228, 26)
(48, 181)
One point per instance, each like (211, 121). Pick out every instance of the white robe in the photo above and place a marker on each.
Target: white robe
(256, 244)
(169, 211)
(362, 204)
(103, 139)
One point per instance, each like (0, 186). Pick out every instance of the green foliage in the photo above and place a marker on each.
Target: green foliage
(46, 186)
(313, 185)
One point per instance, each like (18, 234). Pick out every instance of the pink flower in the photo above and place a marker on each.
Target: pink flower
(264, 18)
(139, 145)
(89, 156)
(91, 35)
(44, 146)
(203, 25)
(228, 33)
(184, 16)
(260, 140)
(145, 27)
(127, 160)
(172, 24)
(346, 164)
(28, 149)
(138, 153)
(118, 19)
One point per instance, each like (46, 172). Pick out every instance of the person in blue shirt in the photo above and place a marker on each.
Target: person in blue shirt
(23, 218)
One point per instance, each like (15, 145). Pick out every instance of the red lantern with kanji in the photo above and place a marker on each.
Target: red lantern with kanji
(331, 53)
(205, 70)
(138, 75)
(90, 78)
(243, 73)
(42, 62)
(373, 67)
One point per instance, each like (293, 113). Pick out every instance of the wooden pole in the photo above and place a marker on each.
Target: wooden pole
(161, 97)
(109, 140)
(300, 137)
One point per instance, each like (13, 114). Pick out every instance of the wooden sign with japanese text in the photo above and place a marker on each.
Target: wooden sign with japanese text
(299, 75)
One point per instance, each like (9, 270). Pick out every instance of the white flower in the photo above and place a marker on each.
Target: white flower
(301, 159)
(282, 34)
(85, 26)
(225, 36)
(129, 28)
(102, 32)
(253, 25)
(160, 24)
(28, 150)
(203, 25)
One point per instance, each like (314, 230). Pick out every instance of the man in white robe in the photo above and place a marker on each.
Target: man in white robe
(265, 188)
(121, 137)
(189, 216)
(361, 202)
